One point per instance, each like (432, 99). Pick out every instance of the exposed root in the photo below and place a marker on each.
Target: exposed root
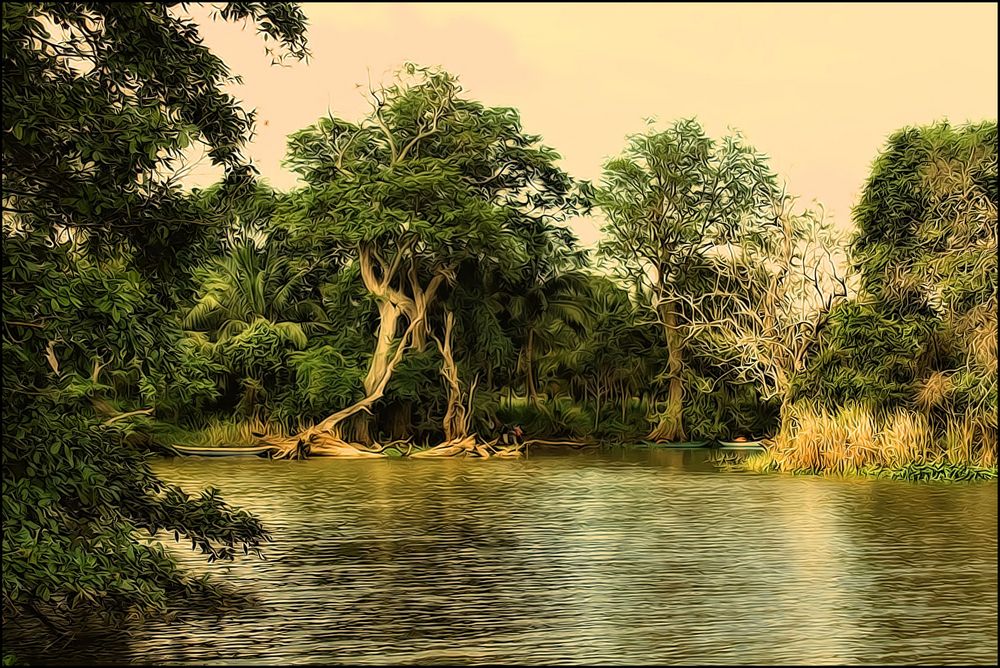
(454, 448)
(325, 444)
(469, 447)
(511, 451)
(319, 444)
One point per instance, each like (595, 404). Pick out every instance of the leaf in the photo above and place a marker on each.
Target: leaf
(50, 357)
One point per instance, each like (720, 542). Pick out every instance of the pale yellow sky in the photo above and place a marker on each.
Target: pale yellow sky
(817, 87)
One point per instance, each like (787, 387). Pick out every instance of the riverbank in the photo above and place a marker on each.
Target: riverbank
(900, 445)
(913, 472)
(851, 441)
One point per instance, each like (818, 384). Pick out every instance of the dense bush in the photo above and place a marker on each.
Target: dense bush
(99, 100)
(920, 338)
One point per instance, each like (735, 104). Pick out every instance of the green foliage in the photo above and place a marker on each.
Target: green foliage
(100, 100)
(927, 219)
(936, 471)
(672, 201)
(324, 377)
(428, 177)
(726, 411)
(865, 354)
(549, 419)
(249, 285)
(926, 248)
(940, 471)
(677, 194)
(76, 496)
(921, 337)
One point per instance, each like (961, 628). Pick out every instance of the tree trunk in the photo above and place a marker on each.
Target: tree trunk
(389, 315)
(597, 404)
(671, 424)
(785, 409)
(376, 392)
(529, 372)
(422, 298)
(326, 435)
(457, 418)
(388, 320)
(393, 304)
(361, 425)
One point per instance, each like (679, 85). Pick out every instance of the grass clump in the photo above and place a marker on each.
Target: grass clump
(217, 433)
(900, 444)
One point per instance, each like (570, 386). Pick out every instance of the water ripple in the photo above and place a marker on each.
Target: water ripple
(614, 558)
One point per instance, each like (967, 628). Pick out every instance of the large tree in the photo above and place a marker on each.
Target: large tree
(671, 200)
(99, 100)
(427, 182)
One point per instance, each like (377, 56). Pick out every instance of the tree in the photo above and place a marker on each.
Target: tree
(673, 198)
(607, 359)
(427, 181)
(549, 309)
(250, 285)
(764, 300)
(99, 99)
(252, 307)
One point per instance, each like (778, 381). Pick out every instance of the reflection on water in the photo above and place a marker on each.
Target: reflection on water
(615, 557)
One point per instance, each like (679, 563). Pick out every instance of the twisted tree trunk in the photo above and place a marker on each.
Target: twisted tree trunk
(457, 418)
(390, 313)
(671, 423)
(325, 438)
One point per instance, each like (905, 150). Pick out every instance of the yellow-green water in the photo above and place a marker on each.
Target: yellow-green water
(604, 557)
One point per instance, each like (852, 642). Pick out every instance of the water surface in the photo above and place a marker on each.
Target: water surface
(624, 557)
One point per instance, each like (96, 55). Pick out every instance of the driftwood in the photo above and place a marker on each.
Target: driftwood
(469, 447)
(326, 444)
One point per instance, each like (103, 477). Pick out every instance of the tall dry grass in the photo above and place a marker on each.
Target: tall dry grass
(933, 391)
(855, 438)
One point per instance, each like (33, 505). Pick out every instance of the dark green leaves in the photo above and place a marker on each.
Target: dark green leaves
(100, 99)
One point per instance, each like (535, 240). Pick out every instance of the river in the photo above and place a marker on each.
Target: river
(615, 557)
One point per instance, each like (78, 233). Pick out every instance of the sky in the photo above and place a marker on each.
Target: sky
(816, 87)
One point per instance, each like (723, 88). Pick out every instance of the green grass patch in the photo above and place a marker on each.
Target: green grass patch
(216, 434)
(914, 472)
(937, 471)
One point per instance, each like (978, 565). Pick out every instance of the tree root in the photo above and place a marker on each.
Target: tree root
(319, 444)
(325, 444)
(457, 447)
(467, 446)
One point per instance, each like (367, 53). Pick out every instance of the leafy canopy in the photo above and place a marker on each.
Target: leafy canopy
(100, 99)
(428, 176)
